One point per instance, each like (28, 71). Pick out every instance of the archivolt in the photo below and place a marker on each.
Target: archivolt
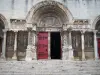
(49, 7)
(4, 21)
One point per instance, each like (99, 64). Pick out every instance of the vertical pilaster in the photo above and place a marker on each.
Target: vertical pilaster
(4, 44)
(95, 45)
(82, 43)
(15, 46)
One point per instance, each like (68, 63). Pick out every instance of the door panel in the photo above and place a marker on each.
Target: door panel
(42, 48)
(99, 47)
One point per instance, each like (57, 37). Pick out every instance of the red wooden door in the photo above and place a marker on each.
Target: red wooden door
(99, 47)
(42, 45)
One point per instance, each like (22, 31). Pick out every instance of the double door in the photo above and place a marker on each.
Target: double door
(55, 45)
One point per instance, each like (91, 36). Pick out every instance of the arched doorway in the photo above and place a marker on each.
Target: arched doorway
(1, 35)
(49, 18)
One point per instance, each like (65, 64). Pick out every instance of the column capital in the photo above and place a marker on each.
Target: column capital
(15, 31)
(82, 32)
(5, 30)
(69, 29)
(29, 29)
(29, 26)
(95, 31)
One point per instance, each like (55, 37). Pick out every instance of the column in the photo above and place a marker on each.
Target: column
(49, 57)
(70, 57)
(4, 44)
(34, 54)
(95, 45)
(15, 46)
(82, 43)
(29, 47)
(64, 42)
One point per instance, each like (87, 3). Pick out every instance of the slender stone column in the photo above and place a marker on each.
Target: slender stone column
(15, 46)
(95, 45)
(70, 47)
(82, 43)
(49, 45)
(29, 47)
(4, 44)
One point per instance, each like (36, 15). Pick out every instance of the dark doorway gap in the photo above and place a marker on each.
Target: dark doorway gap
(55, 45)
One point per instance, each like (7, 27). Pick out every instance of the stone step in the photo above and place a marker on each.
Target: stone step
(50, 67)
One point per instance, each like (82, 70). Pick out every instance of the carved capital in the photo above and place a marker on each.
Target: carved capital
(29, 26)
(69, 29)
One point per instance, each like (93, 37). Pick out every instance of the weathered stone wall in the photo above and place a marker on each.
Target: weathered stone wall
(80, 9)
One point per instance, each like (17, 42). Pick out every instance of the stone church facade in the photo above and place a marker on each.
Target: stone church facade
(49, 29)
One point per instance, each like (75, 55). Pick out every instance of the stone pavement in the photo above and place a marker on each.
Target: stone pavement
(50, 67)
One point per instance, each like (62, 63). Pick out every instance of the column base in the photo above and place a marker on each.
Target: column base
(2, 57)
(83, 56)
(34, 55)
(65, 53)
(14, 56)
(96, 58)
(83, 59)
(70, 56)
(28, 59)
(28, 56)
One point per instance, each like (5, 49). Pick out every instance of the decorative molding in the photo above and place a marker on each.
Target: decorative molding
(49, 29)
(17, 21)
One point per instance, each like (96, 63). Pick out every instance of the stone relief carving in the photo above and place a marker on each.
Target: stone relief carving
(49, 21)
